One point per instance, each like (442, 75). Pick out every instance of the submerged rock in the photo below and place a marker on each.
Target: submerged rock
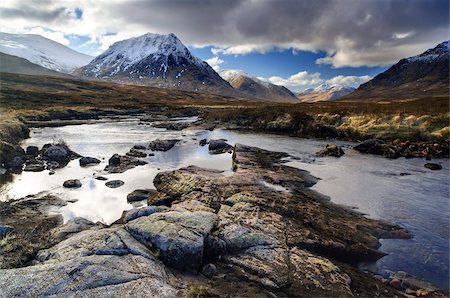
(162, 145)
(433, 166)
(172, 125)
(203, 142)
(136, 153)
(72, 183)
(331, 150)
(85, 161)
(114, 183)
(140, 194)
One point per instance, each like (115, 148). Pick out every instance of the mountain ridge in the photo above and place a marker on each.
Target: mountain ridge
(155, 60)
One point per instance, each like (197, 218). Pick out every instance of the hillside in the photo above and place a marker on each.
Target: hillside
(257, 88)
(424, 75)
(13, 64)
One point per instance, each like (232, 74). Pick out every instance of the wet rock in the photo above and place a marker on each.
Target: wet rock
(172, 125)
(101, 178)
(56, 153)
(162, 145)
(219, 146)
(368, 144)
(159, 199)
(15, 163)
(203, 142)
(396, 283)
(120, 164)
(114, 183)
(86, 161)
(32, 150)
(139, 212)
(72, 183)
(34, 166)
(140, 194)
(139, 147)
(136, 153)
(179, 236)
(209, 270)
(331, 150)
(51, 164)
(114, 160)
(433, 166)
(412, 282)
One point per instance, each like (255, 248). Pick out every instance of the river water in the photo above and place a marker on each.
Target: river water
(418, 201)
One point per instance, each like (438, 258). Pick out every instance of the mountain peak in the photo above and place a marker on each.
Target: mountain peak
(159, 60)
(441, 51)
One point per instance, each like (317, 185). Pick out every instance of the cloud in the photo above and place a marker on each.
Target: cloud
(351, 32)
(302, 78)
(348, 80)
(53, 35)
(214, 62)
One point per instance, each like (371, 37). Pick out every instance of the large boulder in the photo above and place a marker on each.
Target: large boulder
(57, 153)
(378, 147)
(162, 145)
(179, 236)
(120, 164)
(34, 166)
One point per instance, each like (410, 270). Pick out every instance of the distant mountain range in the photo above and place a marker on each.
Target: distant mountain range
(424, 75)
(42, 51)
(163, 61)
(155, 60)
(257, 88)
(324, 92)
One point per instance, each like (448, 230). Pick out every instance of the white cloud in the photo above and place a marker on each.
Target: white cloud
(348, 80)
(403, 35)
(302, 78)
(214, 62)
(53, 35)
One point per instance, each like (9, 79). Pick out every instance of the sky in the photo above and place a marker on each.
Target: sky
(296, 43)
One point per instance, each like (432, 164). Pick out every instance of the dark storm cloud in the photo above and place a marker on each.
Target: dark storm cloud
(353, 32)
(31, 12)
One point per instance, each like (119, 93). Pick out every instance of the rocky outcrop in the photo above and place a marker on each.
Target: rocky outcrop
(162, 145)
(246, 239)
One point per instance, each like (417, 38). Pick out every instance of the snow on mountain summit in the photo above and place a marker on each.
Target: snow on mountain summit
(441, 51)
(124, 54)
(155, 60)
(42, 51)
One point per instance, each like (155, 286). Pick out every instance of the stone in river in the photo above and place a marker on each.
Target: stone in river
(85, 161)
(72, 183)
(433, 166)
(114, 183)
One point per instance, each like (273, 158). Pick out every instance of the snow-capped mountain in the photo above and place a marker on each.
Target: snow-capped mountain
(257, 88)
(42, 51)
(424, 75)
(14, 64)
(324, 92)
(155, 60)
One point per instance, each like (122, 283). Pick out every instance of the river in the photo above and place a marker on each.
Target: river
(401, 191)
